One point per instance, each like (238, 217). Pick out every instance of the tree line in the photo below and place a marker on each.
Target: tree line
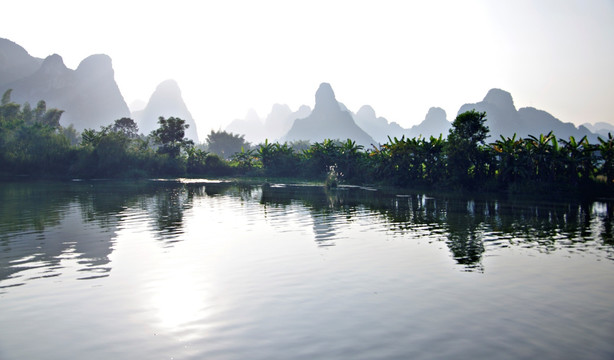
(32, 142)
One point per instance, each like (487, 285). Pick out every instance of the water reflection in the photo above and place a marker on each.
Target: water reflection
(469, 227)
(46, 226)
(42, 228)
(170, 202)
(190, 269)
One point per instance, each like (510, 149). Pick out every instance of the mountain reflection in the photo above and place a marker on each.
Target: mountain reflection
(44, 224)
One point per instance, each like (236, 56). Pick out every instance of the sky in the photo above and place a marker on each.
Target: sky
(400, 57)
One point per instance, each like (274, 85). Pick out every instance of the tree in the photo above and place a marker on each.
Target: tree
(6, 97)
(466, 160)
(26, 110)
(605, 148)
(244, 159)
(40, 110)
(226, 144)
(71, 134)
(349, 160)
(171, 136)
(51, 118)
(511, 158)
(9, 111)
(127, 126)
(277, 159)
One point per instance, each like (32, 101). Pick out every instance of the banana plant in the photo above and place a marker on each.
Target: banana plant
(605, 150)
(245, 158)
(577, 158)
(511, 159)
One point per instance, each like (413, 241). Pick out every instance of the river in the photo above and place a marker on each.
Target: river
(196, 269)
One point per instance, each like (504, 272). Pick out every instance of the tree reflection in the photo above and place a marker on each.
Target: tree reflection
(465, 239)
(468, 227)
(608, 221)
(42, 223)
(170, 203)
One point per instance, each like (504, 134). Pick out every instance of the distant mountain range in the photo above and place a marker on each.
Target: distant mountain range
(602, 129)
(332, 121)
(274, 127)
(91, 98)
(503, 119)
(378, 127)
(88, 95)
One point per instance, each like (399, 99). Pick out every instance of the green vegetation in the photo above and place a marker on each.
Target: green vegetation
(32, 142)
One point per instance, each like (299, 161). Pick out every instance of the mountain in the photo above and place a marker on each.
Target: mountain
(273, 127)
(600, 128)
(15, 62)
(165, 101)
(281, 118)
(97, 99)
(252, 127)
(88, 95)
(434, 124)
(503, 119)
(328, 121)
(378, 127)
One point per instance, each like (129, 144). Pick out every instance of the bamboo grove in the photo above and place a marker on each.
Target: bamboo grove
(33, 143)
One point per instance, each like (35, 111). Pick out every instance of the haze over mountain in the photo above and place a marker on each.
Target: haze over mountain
(165, 101)
(281, 118)
(88, 95)
(504, 119)
(15, 62)
(328, 121)
(252, 127)
(91, 98)
(273, 127)
(602, 129)
(434, 124)
(378, 127)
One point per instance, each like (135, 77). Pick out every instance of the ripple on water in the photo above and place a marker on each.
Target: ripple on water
(208, 270)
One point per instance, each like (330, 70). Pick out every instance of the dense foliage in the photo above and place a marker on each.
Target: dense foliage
(32, 142)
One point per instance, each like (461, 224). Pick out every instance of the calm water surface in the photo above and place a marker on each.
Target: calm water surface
(200, 270)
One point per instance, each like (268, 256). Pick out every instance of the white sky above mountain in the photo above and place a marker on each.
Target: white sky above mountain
(401, 57)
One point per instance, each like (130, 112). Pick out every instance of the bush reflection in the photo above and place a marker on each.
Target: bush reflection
(44, 222)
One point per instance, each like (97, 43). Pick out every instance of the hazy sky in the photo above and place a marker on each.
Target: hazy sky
(401, 57)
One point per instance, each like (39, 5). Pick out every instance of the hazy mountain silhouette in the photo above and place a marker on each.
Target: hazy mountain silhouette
(273, 128)
(281, 118)
(88, 95)
(15, 62)
(600, 128)
(328, 121)
(165, 101)
(251, 126)
(378, 127)
(434, 124)
(504, 119)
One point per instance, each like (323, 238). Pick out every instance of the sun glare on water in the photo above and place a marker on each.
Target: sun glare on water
(179, 300)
